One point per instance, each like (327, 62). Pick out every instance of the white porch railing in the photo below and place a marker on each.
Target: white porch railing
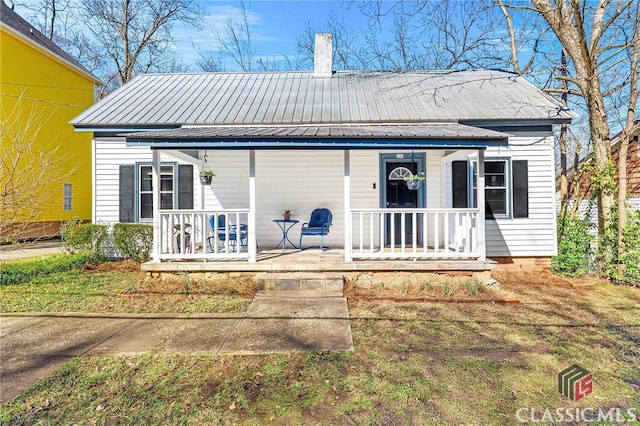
(414, 233)
(188, 234)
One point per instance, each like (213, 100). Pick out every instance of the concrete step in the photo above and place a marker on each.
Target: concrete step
(323, 281)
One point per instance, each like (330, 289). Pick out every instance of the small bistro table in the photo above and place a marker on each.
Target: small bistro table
(285, 226)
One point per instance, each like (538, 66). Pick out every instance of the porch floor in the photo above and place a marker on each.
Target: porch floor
(314, 260)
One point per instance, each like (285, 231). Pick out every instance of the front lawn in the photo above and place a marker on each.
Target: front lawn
(412, 363)
(120, 287)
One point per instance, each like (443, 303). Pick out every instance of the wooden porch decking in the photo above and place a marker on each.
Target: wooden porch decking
(313, 260)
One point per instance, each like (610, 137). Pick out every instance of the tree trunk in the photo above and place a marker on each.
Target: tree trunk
(564, 135)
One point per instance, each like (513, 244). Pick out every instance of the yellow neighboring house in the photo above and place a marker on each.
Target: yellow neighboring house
(46, 173)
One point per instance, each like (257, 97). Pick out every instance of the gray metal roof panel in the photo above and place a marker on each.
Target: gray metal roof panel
(301, 98)
(423, 131)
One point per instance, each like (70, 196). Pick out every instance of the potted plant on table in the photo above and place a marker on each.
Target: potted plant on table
(413, 180)
(287, 214)
(206, 176)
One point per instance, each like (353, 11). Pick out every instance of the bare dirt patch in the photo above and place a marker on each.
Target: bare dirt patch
(222, 284)
(422, 287)
(116, 266)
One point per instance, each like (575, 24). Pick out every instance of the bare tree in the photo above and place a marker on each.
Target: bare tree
(344, 40)
(582, 34)
(30, 173)
(235, 40)
(633, 49)
(135, 35)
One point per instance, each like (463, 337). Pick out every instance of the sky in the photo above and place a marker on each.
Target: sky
(274, 25)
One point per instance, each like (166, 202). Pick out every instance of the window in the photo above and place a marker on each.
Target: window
(506, 187)
(145, 193)
(136, 190)
(67, 198)
(495, 183)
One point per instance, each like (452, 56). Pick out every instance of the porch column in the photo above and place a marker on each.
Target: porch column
(155, 184)
(482, 246)
(253, 250)
(347, 207)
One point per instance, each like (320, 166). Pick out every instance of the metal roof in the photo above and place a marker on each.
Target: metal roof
(323, 137)
(428, 131)
(295, 98)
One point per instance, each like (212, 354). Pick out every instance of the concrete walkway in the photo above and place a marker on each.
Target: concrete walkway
(32, 346)
(30, 249)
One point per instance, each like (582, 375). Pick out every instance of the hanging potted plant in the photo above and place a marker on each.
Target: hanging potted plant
(413, 180)
(206, 176)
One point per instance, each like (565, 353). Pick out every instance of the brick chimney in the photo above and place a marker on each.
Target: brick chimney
(322, 56)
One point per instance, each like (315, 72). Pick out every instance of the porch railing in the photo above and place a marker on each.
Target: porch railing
(414, 233)
(188, 234)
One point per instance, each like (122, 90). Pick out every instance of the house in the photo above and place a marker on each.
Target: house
(584, 190)
(344, 141)
(41, 89)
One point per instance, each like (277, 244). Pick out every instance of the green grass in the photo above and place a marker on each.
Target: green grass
(412, 364)
(104, 291)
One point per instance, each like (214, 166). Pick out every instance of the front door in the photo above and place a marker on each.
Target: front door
(399, 196)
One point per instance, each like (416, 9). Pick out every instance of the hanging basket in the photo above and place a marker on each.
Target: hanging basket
(205, 180)
(413, 184)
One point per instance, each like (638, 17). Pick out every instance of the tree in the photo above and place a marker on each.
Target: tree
(597, 40)
(29, 175)
(135, 35)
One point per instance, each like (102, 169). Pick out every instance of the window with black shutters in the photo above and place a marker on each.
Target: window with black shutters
(506, 187)
(136, 190)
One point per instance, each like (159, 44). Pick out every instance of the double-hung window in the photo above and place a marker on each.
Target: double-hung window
(506, 187)
(67, 197)
(145, 194)
(136, 190)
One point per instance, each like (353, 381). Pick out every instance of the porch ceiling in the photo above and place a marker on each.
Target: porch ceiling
(338, 136)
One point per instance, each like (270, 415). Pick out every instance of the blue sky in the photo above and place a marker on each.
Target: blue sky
(274, 25)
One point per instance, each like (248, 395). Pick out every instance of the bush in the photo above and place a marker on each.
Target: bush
(133, 240)
(25, 270)
(631, 257)
(86, 238)
(574, 246)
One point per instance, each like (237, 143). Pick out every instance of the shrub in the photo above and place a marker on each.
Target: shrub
(631, 257)
(86, 238)
(25, 270)
(133, 240)
(574, 246)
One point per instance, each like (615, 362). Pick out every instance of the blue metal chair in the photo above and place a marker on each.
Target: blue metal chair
(318, 225)
(221, 229)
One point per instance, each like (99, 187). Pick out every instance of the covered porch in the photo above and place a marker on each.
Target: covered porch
(368, 227)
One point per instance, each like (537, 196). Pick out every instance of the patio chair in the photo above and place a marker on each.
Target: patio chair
(318, 225)
(221, 229)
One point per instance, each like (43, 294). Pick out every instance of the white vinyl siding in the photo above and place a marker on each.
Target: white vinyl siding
(536, 234)
(302, 180)
(110, 153)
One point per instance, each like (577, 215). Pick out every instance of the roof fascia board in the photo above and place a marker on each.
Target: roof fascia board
(17, 34)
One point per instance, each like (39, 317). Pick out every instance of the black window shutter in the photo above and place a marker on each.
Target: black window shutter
(460, 182)
(185, 186)
(520, 188)
(127, 186)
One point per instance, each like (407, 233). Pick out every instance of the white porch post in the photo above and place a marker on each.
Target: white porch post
(155, 183)
(253, 250)
(482, 246)
(347, 207)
